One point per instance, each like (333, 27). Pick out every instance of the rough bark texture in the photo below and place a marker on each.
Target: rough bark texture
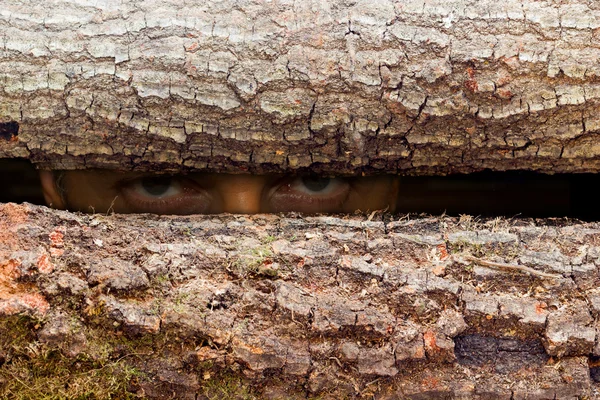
(294, 307)
(417, 86)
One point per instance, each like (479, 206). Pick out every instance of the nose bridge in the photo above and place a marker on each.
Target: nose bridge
(241, 193)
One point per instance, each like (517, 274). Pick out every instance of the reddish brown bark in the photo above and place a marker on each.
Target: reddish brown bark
(314, 306)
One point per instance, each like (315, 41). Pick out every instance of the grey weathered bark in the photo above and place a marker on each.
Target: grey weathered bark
(315, 306)
(417, 86)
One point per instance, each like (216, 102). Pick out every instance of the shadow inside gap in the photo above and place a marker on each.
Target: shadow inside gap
(507, 194)
(19, 182)
(486, 194)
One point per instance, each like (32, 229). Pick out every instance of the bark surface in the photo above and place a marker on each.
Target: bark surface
(296, 307)
(424, 86)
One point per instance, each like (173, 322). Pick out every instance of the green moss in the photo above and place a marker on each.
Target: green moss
(461, 246)
(161, 279)
(269, 239)
(186, 231)
(52, 376)
(255, 261)
(506, 251)
(30, 370)
(226, 387)
(258, 255)
(17, 331)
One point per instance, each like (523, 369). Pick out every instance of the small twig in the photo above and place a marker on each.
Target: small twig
(370, 218)
(369, 384)
(294, 320)
(373, 382)
(372, 215)
(111, 209)
(512, 267)
(337, 361)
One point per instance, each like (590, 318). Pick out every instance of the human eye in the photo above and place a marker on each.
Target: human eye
(310, 194)
(164, 194)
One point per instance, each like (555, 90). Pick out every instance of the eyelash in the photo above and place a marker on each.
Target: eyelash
(190, 200)
(328, 203)
(195, 199)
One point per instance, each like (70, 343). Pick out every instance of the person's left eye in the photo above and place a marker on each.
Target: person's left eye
(310, 194)
(165, 195)
(157, 187)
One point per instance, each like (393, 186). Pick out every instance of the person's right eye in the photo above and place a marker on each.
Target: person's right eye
(165, 195)
(310, 194)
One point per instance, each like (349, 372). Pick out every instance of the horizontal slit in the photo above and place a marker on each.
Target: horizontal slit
(487, 194)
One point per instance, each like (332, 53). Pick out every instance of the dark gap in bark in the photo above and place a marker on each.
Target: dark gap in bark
(19, 182)
(519, 194)
(503, 354)
(509, 194)
(9, 130)
(595, 368)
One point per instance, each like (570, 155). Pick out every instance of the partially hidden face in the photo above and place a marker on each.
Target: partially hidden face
(210, 193)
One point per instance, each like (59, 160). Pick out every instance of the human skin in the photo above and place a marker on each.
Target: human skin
(209, 193)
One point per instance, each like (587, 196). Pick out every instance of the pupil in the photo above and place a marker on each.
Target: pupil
(315, 183)
(156, 186)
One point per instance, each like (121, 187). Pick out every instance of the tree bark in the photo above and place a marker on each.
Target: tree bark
(425, 86)
(296, 307)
